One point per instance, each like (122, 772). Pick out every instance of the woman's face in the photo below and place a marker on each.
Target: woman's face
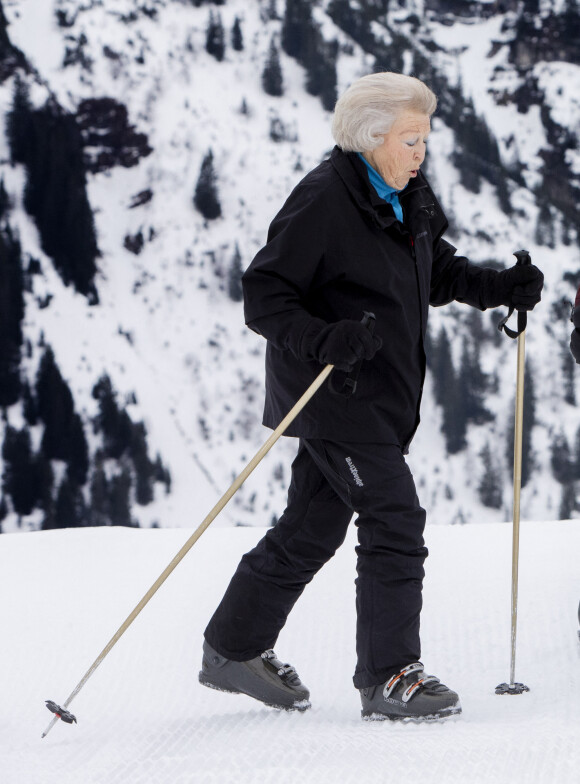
(402, 152)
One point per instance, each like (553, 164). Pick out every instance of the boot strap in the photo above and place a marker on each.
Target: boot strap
(415, 667)
(416, 687)
(284, 671)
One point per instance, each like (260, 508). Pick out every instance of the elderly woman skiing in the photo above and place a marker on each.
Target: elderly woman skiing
(362, 232)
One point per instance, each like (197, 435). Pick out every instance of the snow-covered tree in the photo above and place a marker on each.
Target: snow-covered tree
(206, 196)
(215, 36)
(272, 80)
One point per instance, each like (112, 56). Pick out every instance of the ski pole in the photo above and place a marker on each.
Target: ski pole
(523, 257)
(61, 712)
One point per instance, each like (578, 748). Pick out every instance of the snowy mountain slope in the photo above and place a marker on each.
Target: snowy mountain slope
(142, 716)
(165, 328)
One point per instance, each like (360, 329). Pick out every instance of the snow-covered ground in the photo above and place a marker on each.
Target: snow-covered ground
(143, 717)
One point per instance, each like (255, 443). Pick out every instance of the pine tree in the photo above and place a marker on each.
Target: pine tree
(237, 37)
(114, 424)
(55, 195)
(235, 277)
(303, 40)
(98, 513)
(3, 510)
(328, 94)
(561, 459)
(144, 469)
(272, 81)
(78, 458)
(20, 478)
(477, 155)
(271, 13)
(206, 197)
(442, 365)
(63, 437)
(11, 316)
(70, 508)
(162, 474)
(19, 122)
(4, 200)
(46, 491)
(320, 64)
(490, 486)
(55, 408)
(119, 499)
(454, 424)
(567, 230)
(567, 502)
(29, 407)
(357, 25)
(447, 391)
(473, 383)
(296, 27)
(569, 373)
(215, 36)
(545, 232)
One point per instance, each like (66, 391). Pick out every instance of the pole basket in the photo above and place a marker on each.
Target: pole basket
(61, 713)
(511, 688)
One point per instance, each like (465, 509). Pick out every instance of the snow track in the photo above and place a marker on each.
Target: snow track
(143, 717)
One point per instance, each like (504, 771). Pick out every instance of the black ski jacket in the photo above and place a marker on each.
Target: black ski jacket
(334, 250)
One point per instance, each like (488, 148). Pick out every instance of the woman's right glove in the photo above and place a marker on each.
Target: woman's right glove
(343, 344)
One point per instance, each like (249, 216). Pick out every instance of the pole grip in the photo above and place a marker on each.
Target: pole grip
(523, 258)
(369, 320)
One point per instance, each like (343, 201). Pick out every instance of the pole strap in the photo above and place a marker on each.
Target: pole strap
(341, 383)
(522, 323)
(523, 258)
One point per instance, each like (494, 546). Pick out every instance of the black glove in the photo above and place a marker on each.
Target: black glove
(343, 344)
(519, 287)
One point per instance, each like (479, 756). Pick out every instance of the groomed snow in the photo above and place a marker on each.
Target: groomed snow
(143, 717)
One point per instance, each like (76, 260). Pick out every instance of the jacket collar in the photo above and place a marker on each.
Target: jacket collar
(415, 197)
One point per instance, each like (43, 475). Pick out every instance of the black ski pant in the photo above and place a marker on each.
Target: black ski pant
(330, 481)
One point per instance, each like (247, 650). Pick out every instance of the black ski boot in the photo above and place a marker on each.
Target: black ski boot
(265, 678)
(411, 695)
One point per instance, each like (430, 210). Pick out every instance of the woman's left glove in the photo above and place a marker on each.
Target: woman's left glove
(519, 287)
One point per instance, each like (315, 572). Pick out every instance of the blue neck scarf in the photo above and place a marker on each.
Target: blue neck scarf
(383, 190)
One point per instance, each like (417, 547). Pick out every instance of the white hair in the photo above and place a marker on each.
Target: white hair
(370, 106)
